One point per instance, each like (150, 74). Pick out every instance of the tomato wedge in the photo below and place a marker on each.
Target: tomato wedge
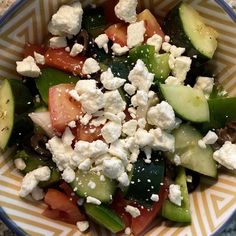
(151, 24)
(62, 107)
(61, 208)
(31, 48)
(117, 33)
(88, 133)
(69, 192)
(60, 59)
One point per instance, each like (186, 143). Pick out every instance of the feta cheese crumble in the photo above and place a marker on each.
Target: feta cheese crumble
(156, 41)
(155, 197)
(205, 84)
(133, 211)
(226, 155)
(135, 34)
(20, 164)
(175, 194)
(102, 42)
(111, 131)
(90, 66)
(40, 59)
(126, 10)
(118, 50)
(93, 200)
(68, 175)
(76, 49)
(209, 138)
(82, 225)
(57, 42)
(27, 67)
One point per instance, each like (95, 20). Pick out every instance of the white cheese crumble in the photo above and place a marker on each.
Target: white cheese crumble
(130, 89)
(156, 41)
(90, 66)
(102, 42)
(111, 131)
(124, 179)
(210, 138)
(109, 81)
(113, 168)
(175, 194)
(85, 165)
(118, 50)
(57, 42)
(143, 138)
(68, 175)
(177, 160)
(133, 211)
(140, 77)
(181, 67)
(205, 84)
(37, 194)
(176, 51)
(67, 137)
(135, 34)
(155, 197)
(226, 155)
(163, 141)
(39, 58)
(93, 200)
(171, 80)
(31, 180)
(27, 67)
(20, 164)
(67, 20)
(126, 10)
(82, 225)
(127, 231)
(76, 49)
(129, 128)
(162, 115)
(118, 149)
(91, 184)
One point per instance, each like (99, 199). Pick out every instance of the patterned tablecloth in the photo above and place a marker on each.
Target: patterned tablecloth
(4, 231)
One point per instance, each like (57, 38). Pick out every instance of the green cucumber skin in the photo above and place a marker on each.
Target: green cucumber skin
(33, 162)
(178, 213)
(146, 180)
(103, 190)
(173, 27)
(105, 217)
(222, 110)
(51, 77)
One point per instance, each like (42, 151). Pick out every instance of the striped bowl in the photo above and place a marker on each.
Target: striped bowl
(213, 204)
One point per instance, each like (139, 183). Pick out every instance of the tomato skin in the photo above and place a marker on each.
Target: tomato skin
(109, 12)
(117, 33)
(31, 48)
(60, 59)
(69, 192)
(61, 208)
(151, 24)
(88, 133)
(62, 107)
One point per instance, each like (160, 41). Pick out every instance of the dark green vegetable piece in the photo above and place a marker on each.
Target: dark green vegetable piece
(146, 179)
(34, 161)
(187, 29)
(178, 213)
(156, 64)
(105, 217)
(51, 77)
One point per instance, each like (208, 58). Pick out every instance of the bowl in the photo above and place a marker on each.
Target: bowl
(213, 204)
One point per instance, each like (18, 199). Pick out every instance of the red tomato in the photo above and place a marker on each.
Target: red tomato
(69, 192)
(117, 33)
(62, 107)
(139, 224)
(109, 12)
(151, 24)
(61, 208)
(88, 133)
(31, 48)
(60, 59)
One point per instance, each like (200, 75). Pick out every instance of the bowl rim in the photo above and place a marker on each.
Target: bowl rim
(3, 19)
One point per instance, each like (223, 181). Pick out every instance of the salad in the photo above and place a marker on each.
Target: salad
(116, 117)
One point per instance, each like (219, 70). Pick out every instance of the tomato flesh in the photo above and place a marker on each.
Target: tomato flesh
(61, 208)
(60, 59)
(88, 132)
(151, 24)
(31, 48)
(62, 107)
(117, 33)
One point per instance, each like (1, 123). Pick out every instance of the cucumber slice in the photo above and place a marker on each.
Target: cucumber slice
(105, 217)
(187, 29)
(189, 103)
(146, 179)
(156, 64)
(6, 113)
(51, 77)
(33, 161)
(102, 191)
(191, 155)
(178, 213)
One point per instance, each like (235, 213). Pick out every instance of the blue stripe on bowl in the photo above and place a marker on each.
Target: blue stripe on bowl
(3, 19)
